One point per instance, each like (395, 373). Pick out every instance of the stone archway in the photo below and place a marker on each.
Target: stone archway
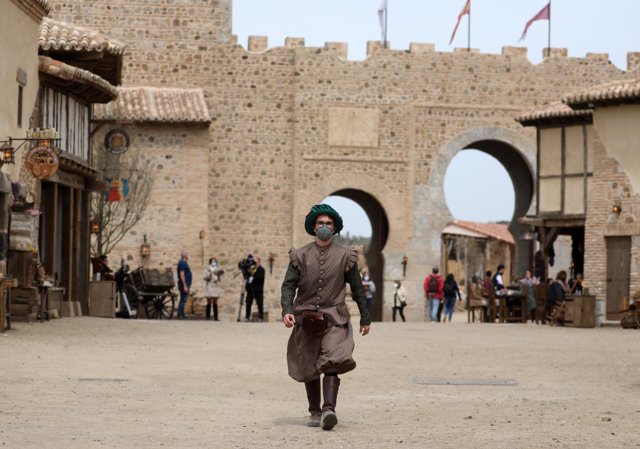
(379, 234)
(513, 150)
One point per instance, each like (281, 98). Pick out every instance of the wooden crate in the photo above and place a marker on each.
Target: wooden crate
(55, 298)
(24, 304)
(580, 311)
(102, 299)
(22, 265)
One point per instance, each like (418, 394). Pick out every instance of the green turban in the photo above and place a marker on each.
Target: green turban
(322, 209)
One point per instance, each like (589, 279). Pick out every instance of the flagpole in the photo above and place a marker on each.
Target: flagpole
(386, 25)
(549, 33)
(469, 29)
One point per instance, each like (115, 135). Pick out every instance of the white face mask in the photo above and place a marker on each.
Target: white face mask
(397, 285)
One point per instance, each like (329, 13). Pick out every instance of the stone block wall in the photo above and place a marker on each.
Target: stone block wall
(251, 174)
(608, 183)
(169, 43)
(177, 158)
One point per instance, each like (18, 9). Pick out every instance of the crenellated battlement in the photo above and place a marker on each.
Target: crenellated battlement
(260, 44)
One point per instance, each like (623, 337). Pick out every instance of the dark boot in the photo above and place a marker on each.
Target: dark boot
(215, 312)
(313, 396)
(207, 312)
(330, 386)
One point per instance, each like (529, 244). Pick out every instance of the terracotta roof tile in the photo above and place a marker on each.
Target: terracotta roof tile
(61, 36)
(616, 92)
(493, 230)
(555, 112)
(156, 104)
(78, 81)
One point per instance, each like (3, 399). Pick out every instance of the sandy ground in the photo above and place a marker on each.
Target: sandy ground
(93, 383)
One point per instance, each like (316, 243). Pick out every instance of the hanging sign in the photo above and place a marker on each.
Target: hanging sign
(42, 161)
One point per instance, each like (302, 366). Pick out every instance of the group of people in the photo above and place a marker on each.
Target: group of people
(212, 273)
(440, 295)
(479, 291)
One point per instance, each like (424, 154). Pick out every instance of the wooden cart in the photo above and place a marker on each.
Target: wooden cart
(150, 289)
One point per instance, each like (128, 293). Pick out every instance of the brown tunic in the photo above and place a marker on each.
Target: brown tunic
(319, 274)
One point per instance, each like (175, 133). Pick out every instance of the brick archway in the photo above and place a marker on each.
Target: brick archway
(379, 234)
(513, 150)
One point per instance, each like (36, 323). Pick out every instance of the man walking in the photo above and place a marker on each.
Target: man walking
(433, 288)
(184, 282)
(313, 304)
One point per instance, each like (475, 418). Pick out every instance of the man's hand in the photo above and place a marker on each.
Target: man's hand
(289, 320)
(364, 329)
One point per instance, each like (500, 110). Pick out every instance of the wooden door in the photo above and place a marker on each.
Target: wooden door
(618, 274)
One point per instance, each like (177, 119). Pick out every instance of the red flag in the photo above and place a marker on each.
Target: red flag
(544, 14)
(465, 10)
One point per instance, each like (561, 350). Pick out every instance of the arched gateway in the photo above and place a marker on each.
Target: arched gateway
(241, 142)
(516, 152)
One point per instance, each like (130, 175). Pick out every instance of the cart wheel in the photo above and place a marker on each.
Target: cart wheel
(160, 307)
(132, 296)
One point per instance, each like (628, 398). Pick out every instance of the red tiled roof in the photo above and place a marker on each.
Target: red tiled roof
(493, 230)
(56, 35)
(80, 82)
(616, 92)
(554, 113)
(156, 104)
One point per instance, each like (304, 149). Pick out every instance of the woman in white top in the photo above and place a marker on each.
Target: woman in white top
(212, 290)
(399, 301)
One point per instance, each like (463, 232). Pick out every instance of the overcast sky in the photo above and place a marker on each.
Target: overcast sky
(581, 26)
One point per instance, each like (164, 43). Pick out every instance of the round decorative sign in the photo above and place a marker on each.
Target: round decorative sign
(117, 141)
(42, 161)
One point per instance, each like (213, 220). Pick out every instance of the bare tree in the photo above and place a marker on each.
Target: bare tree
(118, 217)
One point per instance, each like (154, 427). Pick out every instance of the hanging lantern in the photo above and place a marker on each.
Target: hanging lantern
(6, 157)
(145, 248)
(95, 226)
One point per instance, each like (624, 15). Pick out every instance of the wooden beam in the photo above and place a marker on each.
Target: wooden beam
(53, 234)
(563, 169)
(550, 237)
(70, 232)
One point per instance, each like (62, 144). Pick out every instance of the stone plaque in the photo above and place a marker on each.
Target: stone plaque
(353, 127)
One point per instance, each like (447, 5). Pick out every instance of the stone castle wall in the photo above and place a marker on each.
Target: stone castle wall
(292, 125)
(169, 42)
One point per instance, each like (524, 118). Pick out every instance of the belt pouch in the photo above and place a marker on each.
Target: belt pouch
(313, 322)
